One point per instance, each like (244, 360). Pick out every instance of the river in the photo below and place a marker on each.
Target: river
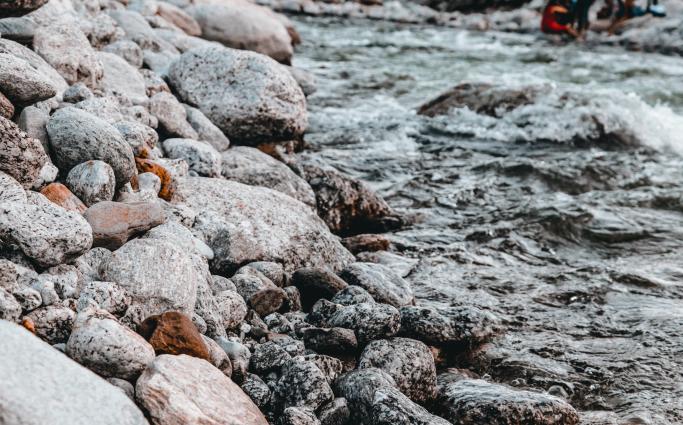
(575, 243)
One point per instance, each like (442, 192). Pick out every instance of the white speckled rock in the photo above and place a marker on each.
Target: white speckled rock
(107, 296)
(10, 309)
(158, 275)
(21, 83)
(385, 285)
(40, 385)
(250, 97)
(251, 166)
(45, 232)
(36, 62)
(100, 343)
(92, 182)
(11, 190)
(206, 130)
(21, 156)
(232, 308)
(244, 224)
(181, 390)
(202, 158)
(122, 78)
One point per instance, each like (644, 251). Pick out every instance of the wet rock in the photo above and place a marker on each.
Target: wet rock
(335, 412)
(381, 282)
(100, 343)
(10, 309)
(239, 357)
(346, 205)
(66, 48)
(314, 284)
(84, 397)
(182, 390)
(244, 25)
(202, 158)
(298, 416)
(92, 182)
(257, 390)
(77, 136)
(22, 83)
(19, 7)
(232, 308)
(366, 243)
(267, 357)
(121, 78)
(114, 223)
(44, 232)
(21, 156)
(282, 229)
(352, 295)
(168, 281)
(370, 321)
(330, 341)
(474, 401)
(206, 130)
(53, 323)
(305, 79)
(479, 97)
(259, 100)
(302, 384)
(258, 291)
(251, 166)
(408, 361)
(60, 195)
(171, 115)
(107, 296)
(174, 333)
(464, 325)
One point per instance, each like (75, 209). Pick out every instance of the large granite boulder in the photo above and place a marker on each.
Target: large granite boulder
(250, 97)
(244, 224)
(40, 385)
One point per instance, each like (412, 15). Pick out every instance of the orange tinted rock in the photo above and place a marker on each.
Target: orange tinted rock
(62, 196)
(29, 325)
(114, 223)
(366, 243)
(173, 333)
(167, 182)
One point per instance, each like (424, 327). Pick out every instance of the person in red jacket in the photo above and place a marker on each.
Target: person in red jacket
(557, 19)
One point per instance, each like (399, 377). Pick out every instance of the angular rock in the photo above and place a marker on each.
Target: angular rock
(92, 182)
(479, 97)
(475, 401)
(408, 361)
(302, 384)
(11, 190)
(257, 390)
(293, 301)
(66, 48)
(463, 325)
(77, 136)
(330, 341)
(352, 295)
(281, 229)
(248, 96)
(381, 282)
(121, 78)
(44, 232)
(53, 323)
(174, 333)
(244, 25)
(114, 223)
(178, 390)
(314, 284)
(100, 343)
(86, 399)
(370, 321)
(171, 115)
(251, 166)
(21, 156)
(202, 158)
(335, 412)
(22, 83)
(60, 195)
(298, 416)
(206, 130)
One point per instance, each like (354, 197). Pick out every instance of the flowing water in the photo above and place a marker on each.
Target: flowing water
(573, 239)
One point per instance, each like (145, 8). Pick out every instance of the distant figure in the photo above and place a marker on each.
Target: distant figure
(558, 19)
(581, 10)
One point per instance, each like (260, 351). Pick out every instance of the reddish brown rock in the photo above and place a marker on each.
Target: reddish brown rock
(174, 333)
(62, 196)
(366, 243)
(114, 223)
(167, 182)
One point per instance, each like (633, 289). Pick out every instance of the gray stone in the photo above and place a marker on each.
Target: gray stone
(66, 48)
(6, 107)
(171, 115)
(293, 301)
(10, 309)
(408, 361)
(22, 83)
(108, 296)
(220, 284)
(314, 284)
(126, 387)
(298, 416)
(141, 138)
(281, 228)
(106, 108)
(218, 356)
(77, 92)
(381, 282)
(258, 291)
(251, 166)
(36, 62)
(268, 357)
(77, 136)
(370, 321)
(46, 288)
(21, 156)
(53, 323)
(68, 280)
(179, 18)
(305, 79)
(89, 263)
(181, 389)
(206, 130)
(335, 412)
(391, 407)
(202, 158)
(232, 308)
(45, 232)
(128, 50)
(100, 343)
(331, 367)
(154, 83)
(33, 122)
(257, 390)
(20, 30)
(92, 182)
(11, 190)
(352, 295)
(137, 29)
(461, 325)
(239, 356)
(330, 340)
(302, 384)
(248, 96)
(358, 388)
(121, 78)
(68, 394)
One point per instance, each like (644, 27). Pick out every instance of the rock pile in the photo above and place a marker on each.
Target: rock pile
(179, 262)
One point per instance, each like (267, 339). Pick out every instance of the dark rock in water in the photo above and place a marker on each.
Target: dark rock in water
(267, 357)
(330, 341)
(314, 284)
(19, 7)
(114, 223)
(464, 325)
(408, 361)
(298, 416)
(257, 390)
(466, 401)
(302, 384)
(370, 321)
(346, 205)
(352, 295)
(479, 97)
(471, 5)
(173, 333)
(21, 156)
(335, 412)
(366, 243)
(381, 282)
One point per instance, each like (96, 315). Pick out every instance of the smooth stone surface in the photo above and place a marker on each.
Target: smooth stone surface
(314, 284)
(108, 296)
(330, 341)
(21, 156)
(248, 96)
(21, 82)
(36, 62)
(174, 333)
(258, 291)
(179, 390)
(462, 325)
(60, 195)
(37, 378)
(302, 384)
(232, 308)
(381, 282)
(121, 78)
(33, 121)
(352, 295)
(128, 51)
(370, 321)
(114, 223)
(206, 130)
(92, 182)
(202, 158)
(171, 115)
(52, 323)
